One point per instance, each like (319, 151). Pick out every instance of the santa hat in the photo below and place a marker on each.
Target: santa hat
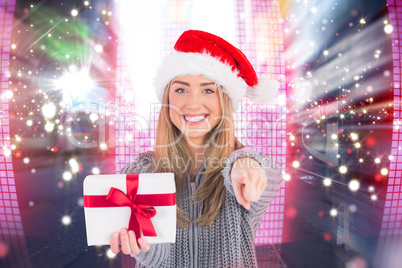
(202, 53)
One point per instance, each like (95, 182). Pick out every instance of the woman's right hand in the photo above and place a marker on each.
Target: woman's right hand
(128, 243)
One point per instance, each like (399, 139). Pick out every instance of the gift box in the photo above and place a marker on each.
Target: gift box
(144, 203)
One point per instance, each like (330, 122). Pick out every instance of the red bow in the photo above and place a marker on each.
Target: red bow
(142, 209)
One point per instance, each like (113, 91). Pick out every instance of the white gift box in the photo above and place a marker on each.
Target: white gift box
(102, 222)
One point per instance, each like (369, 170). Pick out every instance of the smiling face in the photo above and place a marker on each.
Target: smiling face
(195, 106)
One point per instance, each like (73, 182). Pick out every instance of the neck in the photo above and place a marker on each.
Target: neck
(197, 155)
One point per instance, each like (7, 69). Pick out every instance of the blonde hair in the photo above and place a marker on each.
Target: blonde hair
(219, 142)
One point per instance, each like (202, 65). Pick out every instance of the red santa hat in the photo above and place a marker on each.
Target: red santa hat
(202, 53)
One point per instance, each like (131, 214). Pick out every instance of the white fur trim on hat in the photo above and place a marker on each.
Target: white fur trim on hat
(180, 64)
(265, 91)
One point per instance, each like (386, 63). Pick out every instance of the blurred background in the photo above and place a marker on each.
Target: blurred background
(77, 98)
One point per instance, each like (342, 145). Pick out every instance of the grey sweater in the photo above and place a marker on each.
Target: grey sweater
(229, 242)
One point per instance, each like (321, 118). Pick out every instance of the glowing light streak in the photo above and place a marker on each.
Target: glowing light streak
(74, 165)
(75, 85)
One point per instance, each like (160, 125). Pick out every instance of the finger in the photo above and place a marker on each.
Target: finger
(239, 176)
(239, 192)
(133, 243)
(114, 243)
(263, 184)
(246, 204)
(251, 191)
(144, 245)
(125, 244)
(239, 180)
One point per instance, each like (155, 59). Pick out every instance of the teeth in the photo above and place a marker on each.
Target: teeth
(194, 118)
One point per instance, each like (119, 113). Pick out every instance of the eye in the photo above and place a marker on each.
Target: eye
(210, 91)
(180, 90)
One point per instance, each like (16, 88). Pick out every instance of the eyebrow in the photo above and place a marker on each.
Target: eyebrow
(187, 84)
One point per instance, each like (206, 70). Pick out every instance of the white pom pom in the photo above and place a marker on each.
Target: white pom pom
(264, 92)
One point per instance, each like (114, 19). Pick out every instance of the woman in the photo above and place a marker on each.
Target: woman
(223, 188)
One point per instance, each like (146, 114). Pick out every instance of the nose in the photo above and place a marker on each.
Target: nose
(194, 101)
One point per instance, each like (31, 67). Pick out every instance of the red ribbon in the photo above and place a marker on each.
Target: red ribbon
(142, 206)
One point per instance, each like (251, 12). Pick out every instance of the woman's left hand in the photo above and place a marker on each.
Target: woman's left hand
(248, 180)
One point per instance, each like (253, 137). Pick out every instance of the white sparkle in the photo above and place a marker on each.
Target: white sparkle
(357, 145)
(67, 176)
(66, 220)
(343, 169)
(354, 185)
(8, 94)
(49, 126)
(93, 117)
(103, 146)
(49, 110)
(327, 182)
(388, 28)
(95, 170)
(110, 254)
(333, 212)
(7, 152)
(98, 48)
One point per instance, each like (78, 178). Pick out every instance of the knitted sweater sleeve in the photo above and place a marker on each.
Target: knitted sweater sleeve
(158, 252)
(272, 171)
